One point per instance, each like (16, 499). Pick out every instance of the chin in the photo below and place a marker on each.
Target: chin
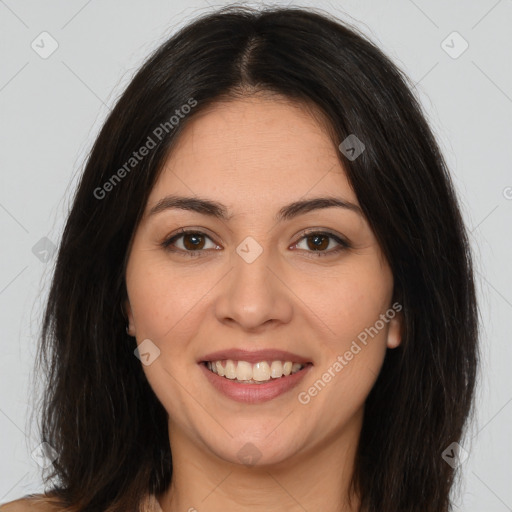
(256, 451)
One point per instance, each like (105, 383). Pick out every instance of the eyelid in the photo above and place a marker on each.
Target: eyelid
(167, 242)
(339, 239)
(322, 231)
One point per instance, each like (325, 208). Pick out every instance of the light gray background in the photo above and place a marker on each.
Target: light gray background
(51, 110)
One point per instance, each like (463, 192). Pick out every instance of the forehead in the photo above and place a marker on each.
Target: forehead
(244, 150)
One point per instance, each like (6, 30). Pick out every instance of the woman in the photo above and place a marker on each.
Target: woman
(264, 297)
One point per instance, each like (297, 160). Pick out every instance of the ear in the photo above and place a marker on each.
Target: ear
(129, 315)
(394, 338)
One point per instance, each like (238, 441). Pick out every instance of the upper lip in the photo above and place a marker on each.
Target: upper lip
(254, 356)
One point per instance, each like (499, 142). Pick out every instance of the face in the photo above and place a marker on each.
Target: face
(262, 286)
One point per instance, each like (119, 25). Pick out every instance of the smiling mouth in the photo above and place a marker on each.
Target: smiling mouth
(261, 372)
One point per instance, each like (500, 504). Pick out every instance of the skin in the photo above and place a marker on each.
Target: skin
(256, 155)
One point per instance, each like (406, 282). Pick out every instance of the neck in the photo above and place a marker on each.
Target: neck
(317, 478)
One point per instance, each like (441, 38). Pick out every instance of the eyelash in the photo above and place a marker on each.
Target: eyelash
(167, 244)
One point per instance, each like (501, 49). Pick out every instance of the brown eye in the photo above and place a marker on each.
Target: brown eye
(193, 243)
(319, 241)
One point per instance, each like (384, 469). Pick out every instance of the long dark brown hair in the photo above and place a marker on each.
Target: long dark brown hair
(98, 411)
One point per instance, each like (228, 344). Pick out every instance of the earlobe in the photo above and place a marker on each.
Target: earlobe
(394, 338)
(130, 326)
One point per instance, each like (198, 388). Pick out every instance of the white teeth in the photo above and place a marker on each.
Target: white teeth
(219, 368)
(244, 370)
(230, 370)
(276, 369)
(250, 373)
(261, 371)
(296, 367)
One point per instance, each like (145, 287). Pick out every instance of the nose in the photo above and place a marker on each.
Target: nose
(253, 296)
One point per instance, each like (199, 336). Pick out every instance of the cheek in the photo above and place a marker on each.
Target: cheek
(166, 302)
(167, 308)
(350, 301)
(354, 345)
(350, 363)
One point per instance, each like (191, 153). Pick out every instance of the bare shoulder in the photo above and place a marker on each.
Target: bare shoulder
(34, 503)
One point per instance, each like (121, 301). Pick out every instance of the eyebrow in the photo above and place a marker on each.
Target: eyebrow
(219, 211)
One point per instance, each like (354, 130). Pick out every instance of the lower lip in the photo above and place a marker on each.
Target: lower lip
(254, 393)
